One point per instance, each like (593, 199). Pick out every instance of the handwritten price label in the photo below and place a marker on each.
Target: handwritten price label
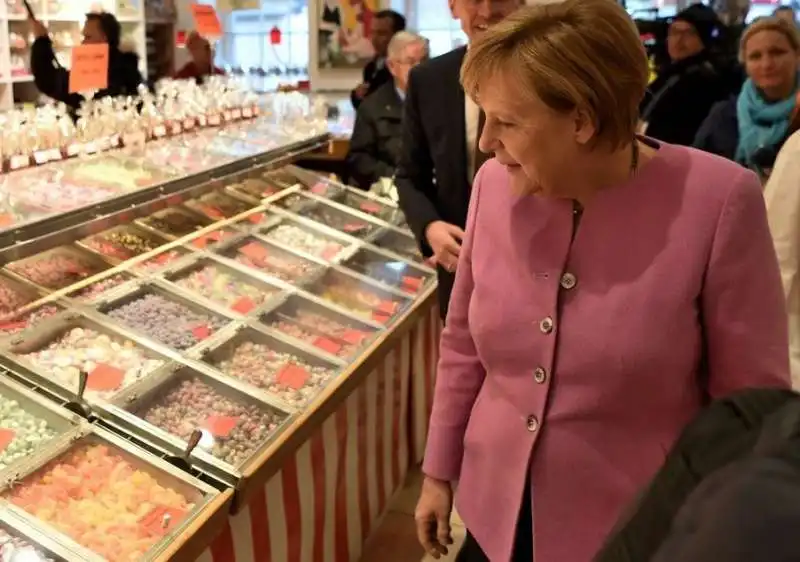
(206, 20)
(221, 426)
(89, 69)
(105, 377)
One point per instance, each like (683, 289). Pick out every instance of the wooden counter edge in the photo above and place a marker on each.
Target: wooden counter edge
(201, 532)
(270, 461)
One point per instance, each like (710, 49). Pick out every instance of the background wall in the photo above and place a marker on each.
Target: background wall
(246, 42)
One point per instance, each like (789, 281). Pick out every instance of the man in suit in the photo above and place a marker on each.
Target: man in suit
(440, 155)
(384, 25)
(375, 142)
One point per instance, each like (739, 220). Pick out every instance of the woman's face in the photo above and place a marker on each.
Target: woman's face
(771, 63)
(537, 145)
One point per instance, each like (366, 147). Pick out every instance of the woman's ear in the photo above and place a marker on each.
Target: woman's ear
(585, 128)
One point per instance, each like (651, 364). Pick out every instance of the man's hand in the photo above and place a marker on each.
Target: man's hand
(445, 241)
(37, 28)
(361, 90)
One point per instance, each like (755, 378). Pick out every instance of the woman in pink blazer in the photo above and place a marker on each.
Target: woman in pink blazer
(607, 287)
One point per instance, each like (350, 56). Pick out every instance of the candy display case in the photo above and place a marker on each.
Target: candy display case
(19, 542)
(289, 375)
(57, 268)
(304, 237)
(102, 499)
(234, 426)
(390, 271)
(56, 353)
(28, 424)
(163, 317)
(268, 259)
(227, 287)
(360, 296)
(229, 322)
(304, 319)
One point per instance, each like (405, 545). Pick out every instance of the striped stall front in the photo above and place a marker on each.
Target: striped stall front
(327, 498)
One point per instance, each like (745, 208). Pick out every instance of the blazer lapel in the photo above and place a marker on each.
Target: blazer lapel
(456, 118)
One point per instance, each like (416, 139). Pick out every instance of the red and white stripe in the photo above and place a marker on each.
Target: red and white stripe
(323, 504)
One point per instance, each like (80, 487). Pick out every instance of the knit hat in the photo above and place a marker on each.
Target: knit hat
(703, 19)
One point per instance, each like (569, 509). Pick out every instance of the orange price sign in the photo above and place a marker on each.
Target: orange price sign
(89, 69)
(206, 20)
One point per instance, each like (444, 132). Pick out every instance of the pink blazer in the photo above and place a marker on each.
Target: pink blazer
(580, 363)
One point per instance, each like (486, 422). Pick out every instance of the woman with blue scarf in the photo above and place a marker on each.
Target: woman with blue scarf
(751, 127)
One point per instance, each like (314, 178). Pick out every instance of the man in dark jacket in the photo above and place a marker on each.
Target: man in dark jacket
(375, 142)
(385, 24)
(52, 79)
(680, 98)
(440, 155)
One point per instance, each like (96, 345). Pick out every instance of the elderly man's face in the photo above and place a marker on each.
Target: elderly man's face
(409, 57)
(477, 15)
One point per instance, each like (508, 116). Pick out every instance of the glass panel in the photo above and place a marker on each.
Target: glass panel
(395, 273)
(270, 259)
(58, 268)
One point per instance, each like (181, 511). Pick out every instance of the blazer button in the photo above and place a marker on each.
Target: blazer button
(532, 423)
(568, 281)
(539, 375)
(546, 325)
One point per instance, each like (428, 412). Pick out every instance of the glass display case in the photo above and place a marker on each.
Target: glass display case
(212, 312)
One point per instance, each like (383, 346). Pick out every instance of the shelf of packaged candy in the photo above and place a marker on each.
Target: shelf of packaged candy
(232, 307)
(70, 491)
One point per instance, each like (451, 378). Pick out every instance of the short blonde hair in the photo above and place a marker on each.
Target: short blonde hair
(575, 54)
(770, 23)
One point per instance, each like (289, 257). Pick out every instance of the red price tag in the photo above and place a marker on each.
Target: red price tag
(6, 219)
(13, 326)
(370, 207)
(201, 332)
(354, 227)
(201, 241)
(413, 283)
(319, 188)
(327, 345)
(256, 218)
(161, 520)
(381, 317)
(105, 377)
(387, 307)
(293, 376)
(255, 252)
(354, 337)
(88, 68)
(161, 259)
(6, 437)
(331, 251)
(213, 212)
(243, 305)
(206, 21)
(220, 426)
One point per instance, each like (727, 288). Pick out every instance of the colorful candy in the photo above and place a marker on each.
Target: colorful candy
(273, 261)
(13, 297)
(304, 240)
(23, 432)
(232, 430)
(14, 324)
(96, 289)
(170, 322)
(216, 284)
(321, 331)
(340, 220)
(287, 376)
(101, 500)
(56, 269)
(175, 223)
(17, 549)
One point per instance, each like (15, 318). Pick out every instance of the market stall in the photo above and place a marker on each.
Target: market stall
(259, 334)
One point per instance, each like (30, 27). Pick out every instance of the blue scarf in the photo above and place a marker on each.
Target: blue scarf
(761, 124)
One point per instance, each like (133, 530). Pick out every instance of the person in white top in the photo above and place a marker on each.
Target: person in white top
(782, 195)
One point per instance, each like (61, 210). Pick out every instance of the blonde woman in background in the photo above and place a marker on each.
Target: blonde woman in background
(608, 285)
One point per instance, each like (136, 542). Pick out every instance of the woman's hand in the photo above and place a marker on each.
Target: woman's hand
(432, 516)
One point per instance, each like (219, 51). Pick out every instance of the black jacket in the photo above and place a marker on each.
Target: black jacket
(432, 178)
(729, 490)
(375, 77)
(680, 98)
(53, 81)
(719, 134)
(375, 142)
